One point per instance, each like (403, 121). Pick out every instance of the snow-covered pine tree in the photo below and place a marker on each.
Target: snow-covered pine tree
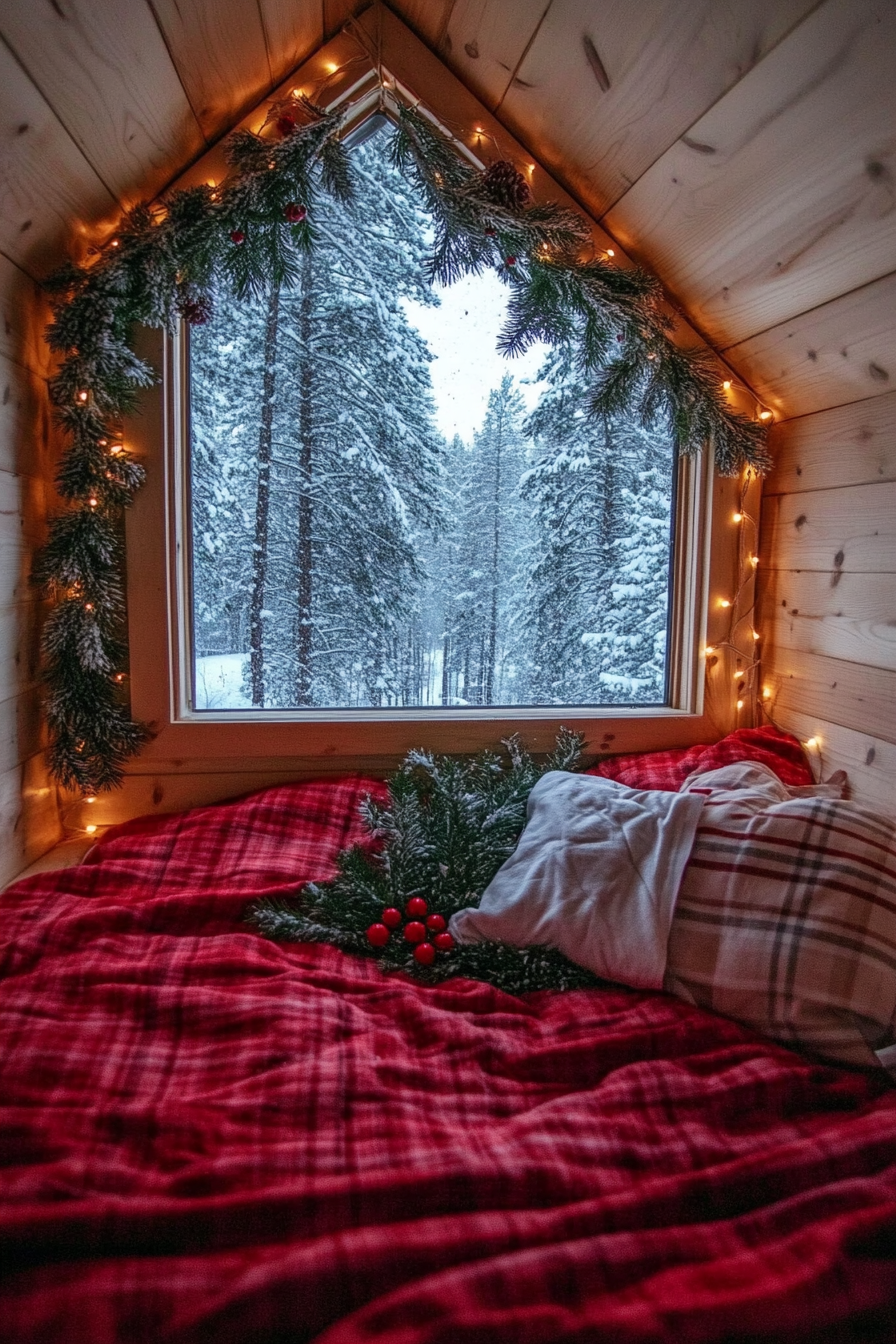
(355, 460)
(491, 536)
(587, 508)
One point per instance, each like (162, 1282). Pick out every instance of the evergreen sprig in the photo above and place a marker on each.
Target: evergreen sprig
(244, 235)
(448, 826)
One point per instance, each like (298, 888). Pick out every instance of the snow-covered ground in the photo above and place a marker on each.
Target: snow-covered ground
(219, 682)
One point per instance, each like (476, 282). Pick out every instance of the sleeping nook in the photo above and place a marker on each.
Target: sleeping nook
(448, 659)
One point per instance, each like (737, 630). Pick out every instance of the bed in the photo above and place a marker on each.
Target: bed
(209, 1136)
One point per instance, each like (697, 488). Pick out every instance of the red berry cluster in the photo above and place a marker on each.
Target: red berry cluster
(415, 930)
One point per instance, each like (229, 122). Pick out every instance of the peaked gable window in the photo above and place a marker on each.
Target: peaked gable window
(386, 515)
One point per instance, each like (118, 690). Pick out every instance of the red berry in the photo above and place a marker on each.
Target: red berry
(294, 213)
(377, 935)
(414, 932)
(490, 233)
(511, 261)
(415, 906)
(237, 237)
(391, 917)
(286, 124)
(444, 942)
(436, 923)
(425, 953)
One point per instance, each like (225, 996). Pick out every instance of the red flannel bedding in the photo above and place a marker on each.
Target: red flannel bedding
(206, 1136)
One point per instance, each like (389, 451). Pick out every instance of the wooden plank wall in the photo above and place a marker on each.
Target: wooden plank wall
(29, 815)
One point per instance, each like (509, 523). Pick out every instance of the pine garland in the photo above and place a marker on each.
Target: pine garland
(172, 262)
(448, 826)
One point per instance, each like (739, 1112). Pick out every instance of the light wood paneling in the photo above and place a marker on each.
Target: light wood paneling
(24, 420)
(23, 314)
(848, 445)
(429, 19)
(292, 31)
(47, 186)
(861, 698)
(220, 54)
(107, 75)
(869, 763)
(21, 728)
(19, 647)
(29, 819)
(843, 351)
(485, 40)
(754, 216)
(851, 529)
(667, 62)
(853, 619)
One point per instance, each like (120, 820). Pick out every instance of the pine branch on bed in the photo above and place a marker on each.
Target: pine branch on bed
(449, 825)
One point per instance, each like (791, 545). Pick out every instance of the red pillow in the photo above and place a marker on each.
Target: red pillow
(668, 770)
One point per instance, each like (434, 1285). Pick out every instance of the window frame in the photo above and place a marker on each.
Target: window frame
(241, 748)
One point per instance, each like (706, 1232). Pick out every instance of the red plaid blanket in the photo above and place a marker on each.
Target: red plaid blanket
(209, 1137)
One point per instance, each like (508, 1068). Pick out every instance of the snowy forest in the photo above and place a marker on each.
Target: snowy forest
(346, 553)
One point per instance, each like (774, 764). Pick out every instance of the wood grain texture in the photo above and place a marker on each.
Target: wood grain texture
(848, 445)
(292, 31)
(19, 647)
(869, 762)
(832, 689)
(25, 421)
(24, 313)
(853, 530)
(667, 62)
(485, 40)
(21, 728)
(29, 816)
(758, 213)
(853, 619)
(843, 351)
(48, 189)
(107, 75)
(220, 53)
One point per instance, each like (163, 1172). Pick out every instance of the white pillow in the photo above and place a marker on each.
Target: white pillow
(595, 874)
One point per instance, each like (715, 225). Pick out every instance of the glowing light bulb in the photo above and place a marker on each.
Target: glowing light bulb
(296, 93)
(765, 415)
(766, 693)
(755, 634)
(740, 704)
(91, 798)
(116, 449)
(93, 501)
(812, 742)
(738, 676)
(115, 243)
(737, 517)
(754, 560)
(727, 384)
(91, 829)
(119, 676)
(82, 396)
(88, 606)
(610, 252)
(724, 602)
(331, 67)
(710, 648)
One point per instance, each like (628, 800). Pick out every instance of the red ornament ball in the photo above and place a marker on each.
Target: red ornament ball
(286, 124)
(237, 237)
(414, 932)
(294, 213)
(425, 953)
(444, 942)
(436, 923)
(511, 261)
(377, 935)
(415, 906)
(391, 917)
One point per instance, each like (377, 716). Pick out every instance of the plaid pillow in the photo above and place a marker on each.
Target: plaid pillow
(786, 921)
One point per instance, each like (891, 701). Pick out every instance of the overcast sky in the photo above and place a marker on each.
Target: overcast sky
(462, 333)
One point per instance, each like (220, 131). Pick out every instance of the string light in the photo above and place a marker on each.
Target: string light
(740, 704)
(765, 415)
(91, 798)
(812, 742)
(88, 606)
(710, 649)
(82, 396)
(119, 677)
(724, 602)
(754, 560)
(93, 501)
(116, 449)
(737, 517)
(115, 243)
(727, 385)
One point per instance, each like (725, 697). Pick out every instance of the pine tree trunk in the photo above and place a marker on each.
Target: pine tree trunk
(446, 675)
(488, 677)
(304, 554)
(263, 500)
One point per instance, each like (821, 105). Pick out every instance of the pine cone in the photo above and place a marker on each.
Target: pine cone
(505, 186)
(195, 308)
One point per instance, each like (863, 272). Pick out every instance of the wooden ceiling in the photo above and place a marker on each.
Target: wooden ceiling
(743, 149)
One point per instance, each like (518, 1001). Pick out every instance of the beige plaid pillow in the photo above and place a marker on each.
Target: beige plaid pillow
(786, 918)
